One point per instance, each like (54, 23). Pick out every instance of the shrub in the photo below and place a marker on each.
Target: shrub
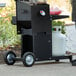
(8, 35)
(59, 23)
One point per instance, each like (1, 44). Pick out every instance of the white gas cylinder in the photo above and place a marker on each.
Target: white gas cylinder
(58, 42)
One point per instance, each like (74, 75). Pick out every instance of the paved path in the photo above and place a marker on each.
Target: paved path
(47, 69)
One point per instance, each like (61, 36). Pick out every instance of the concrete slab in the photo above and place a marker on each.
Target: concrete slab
(63, 68)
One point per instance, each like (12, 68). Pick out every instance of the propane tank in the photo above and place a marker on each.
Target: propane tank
(58, 42)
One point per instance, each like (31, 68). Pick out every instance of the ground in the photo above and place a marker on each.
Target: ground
(47, 68)
(63, 68)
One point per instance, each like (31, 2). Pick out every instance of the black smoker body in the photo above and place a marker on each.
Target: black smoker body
(35, 29)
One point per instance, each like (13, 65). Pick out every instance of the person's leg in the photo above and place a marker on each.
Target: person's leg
(75, 24)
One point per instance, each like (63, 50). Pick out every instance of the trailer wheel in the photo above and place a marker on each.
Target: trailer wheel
(9, 57)
(70, 58)
(57, 60)
(28, 59)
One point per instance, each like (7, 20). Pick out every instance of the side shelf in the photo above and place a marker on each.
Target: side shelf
(54, 17)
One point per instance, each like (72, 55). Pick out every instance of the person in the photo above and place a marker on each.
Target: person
(73, 2)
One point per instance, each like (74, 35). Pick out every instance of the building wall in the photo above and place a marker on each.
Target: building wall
(71, 38)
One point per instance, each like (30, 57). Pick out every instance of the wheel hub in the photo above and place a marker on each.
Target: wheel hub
(29, 59)
(10, 58)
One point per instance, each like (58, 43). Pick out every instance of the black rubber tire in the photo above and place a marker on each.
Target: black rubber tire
(70, 59)
(6, 55)
(24, 59)
(57, 60)
(73, 62)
